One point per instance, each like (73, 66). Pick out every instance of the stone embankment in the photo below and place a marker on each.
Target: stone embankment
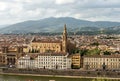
(54, 72)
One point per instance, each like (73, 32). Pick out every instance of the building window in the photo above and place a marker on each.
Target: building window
(107, 59)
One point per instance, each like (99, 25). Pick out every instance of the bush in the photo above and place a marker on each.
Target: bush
(75, 67)
(88, 72)
(98, 73)
(107, 73)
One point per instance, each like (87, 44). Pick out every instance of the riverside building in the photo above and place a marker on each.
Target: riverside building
(45, 61)
(26, 62)
(109, 62)
(53, 61)
(76, 60)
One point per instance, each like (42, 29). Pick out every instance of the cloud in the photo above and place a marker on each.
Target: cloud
(13, 11)
(2, 6)
(64, 1)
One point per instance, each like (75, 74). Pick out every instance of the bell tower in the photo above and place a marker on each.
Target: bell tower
(64, 39)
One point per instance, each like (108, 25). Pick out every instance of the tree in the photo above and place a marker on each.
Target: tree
(93, 52)
(83, 52)
(74, 66)
(107, 53)
(95, 44)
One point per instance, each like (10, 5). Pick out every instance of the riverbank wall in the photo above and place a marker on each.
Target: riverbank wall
(64, 73)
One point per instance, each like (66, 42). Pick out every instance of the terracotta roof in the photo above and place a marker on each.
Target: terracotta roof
(49, 54)
(103, 56)
(46, 41)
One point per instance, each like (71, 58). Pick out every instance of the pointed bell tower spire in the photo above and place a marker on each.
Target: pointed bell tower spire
(64, 41)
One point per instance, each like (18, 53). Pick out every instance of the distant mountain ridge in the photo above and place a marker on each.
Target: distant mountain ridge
(2, 26)
(56, 25)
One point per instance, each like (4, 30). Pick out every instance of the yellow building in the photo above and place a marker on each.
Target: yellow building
(76, 59)
(44, 46)
(50, 45)
(9, 55)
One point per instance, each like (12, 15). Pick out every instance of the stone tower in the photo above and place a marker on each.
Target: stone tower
(64, 40)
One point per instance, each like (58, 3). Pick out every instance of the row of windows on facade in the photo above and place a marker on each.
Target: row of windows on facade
(46, 44)
(52, 66)
(45, 50)
(52, 57)
(107, 67)
(2, 57)
(102, 63)
(2, 61)
(31, 63)
(23, 63)
(37, 47)
(77, 60)
(27, 60)
(43, 62)
(52, 60)
(102, 59)
(48, 58)
(49, 63)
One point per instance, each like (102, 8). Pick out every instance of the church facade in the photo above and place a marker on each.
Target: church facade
(52, 46)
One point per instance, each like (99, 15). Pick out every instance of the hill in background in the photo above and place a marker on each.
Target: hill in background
(55, 25)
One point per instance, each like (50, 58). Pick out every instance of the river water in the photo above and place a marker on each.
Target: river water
(37, 78)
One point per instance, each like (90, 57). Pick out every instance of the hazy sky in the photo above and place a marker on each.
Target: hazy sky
(12, 11)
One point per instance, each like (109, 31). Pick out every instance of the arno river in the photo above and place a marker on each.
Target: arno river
(37, 78)
(40, 78)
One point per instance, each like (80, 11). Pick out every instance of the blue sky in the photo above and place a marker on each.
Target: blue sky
(13, 11)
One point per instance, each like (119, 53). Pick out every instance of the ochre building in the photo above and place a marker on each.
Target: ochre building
(9, 56)
(43, 46)
(76, 60)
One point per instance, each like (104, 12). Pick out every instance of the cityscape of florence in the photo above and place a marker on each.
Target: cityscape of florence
(59, 40)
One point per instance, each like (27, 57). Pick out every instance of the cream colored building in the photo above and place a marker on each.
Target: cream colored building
(101, 61)
(25, 61)
(53, 61)
(45, 61)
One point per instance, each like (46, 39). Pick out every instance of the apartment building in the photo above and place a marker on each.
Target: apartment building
(53, 61)
(45, 61)
(76, 60)
(102, 62)
(26, 62)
